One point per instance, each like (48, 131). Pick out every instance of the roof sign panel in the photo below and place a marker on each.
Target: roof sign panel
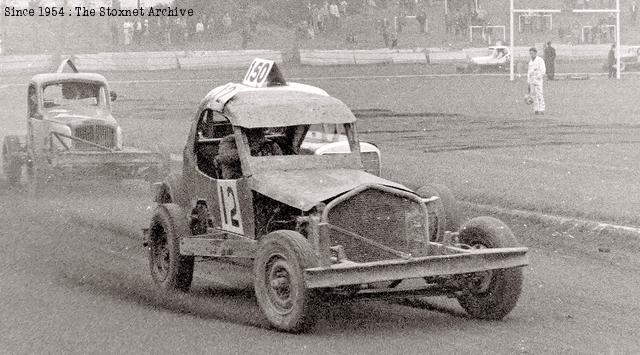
(263, 73)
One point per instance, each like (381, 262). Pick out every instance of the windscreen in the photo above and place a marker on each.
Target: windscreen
(74, 94)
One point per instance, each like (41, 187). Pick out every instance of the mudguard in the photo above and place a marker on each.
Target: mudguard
(171, 190)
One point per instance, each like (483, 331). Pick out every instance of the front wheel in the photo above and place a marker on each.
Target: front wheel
(279, 284)
(169, 269)
(490, 294)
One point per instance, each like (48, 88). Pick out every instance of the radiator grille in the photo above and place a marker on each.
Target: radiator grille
(382, 217)
(98, 134)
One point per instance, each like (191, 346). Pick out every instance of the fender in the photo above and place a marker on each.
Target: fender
(171, 190)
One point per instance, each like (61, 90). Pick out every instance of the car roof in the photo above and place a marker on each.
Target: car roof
(54, 77)
(279, 108)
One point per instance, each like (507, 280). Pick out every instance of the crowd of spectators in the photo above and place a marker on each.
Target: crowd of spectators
(457, 20)
(332, 20)
(168, 30)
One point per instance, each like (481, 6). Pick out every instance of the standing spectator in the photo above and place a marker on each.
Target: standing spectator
(323, 16)
(199, 30)
(137, 32)
(335, 14)
(422, 20)
(226, 22)
(245, 33)
(611, 62)
(209, 27)
(394, 40)
(343, 8)
(115, 32)
(169, 32)
(457, 23)
(384, 30)
(145, 30)
(184, 29)
(127, 31)
(550, 60)
(535, 78)
(314, 17)
(481, 16)
(402, 22)
(302, 31)
(634, 12)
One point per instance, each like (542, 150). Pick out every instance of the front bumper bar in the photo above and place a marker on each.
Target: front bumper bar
(350, 273)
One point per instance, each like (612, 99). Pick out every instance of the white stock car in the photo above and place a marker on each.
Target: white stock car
(498, 59)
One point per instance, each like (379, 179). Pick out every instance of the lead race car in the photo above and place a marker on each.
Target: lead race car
(71, 133)
(312, 226)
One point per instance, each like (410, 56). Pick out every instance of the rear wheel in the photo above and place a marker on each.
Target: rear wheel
(279, 284)
(11, 163)
(34, 177)
(169, 269)
(490, 294)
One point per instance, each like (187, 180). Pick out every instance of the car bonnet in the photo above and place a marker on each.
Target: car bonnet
(304, 189)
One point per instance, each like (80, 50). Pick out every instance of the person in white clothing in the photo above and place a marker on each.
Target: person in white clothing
(535, 76)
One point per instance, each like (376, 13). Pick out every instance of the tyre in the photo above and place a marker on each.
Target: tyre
(436, 214)
(451, 210)
(34, 177)
(11, 163)
(279, 285)
(169, 269)
(491, 294)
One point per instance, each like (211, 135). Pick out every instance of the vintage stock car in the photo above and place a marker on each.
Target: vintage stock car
(498, 59)
(71, 132)
(315, 227)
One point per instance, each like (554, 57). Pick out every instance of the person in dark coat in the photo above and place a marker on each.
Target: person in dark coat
(611, 61)
(550, 60)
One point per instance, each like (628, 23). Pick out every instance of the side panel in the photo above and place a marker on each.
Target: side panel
(229, 202)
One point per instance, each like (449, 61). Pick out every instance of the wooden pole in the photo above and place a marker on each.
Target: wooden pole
(618, 39)
(511, 44)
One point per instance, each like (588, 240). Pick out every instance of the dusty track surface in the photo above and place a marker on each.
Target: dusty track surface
(74, 276)
(74, 279)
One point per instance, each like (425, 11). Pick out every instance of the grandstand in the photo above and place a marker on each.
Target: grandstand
(449, 25)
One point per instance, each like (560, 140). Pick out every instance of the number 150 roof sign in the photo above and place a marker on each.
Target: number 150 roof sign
(263, 73)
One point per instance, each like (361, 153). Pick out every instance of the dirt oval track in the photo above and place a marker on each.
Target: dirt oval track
(74, 279)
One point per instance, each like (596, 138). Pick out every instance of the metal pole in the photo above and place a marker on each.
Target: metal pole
(618, 39)
(511, 40)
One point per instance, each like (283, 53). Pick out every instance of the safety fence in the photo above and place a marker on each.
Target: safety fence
(202, 60)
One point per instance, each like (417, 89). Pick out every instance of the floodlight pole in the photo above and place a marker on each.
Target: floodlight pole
(618, 39)
(511, 41)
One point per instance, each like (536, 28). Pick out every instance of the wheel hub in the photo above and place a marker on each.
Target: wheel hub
(279, 284)
(479, 282)
(161, 259)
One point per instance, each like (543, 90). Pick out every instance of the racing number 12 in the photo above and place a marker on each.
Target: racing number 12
(231, 219)
(231, 214)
